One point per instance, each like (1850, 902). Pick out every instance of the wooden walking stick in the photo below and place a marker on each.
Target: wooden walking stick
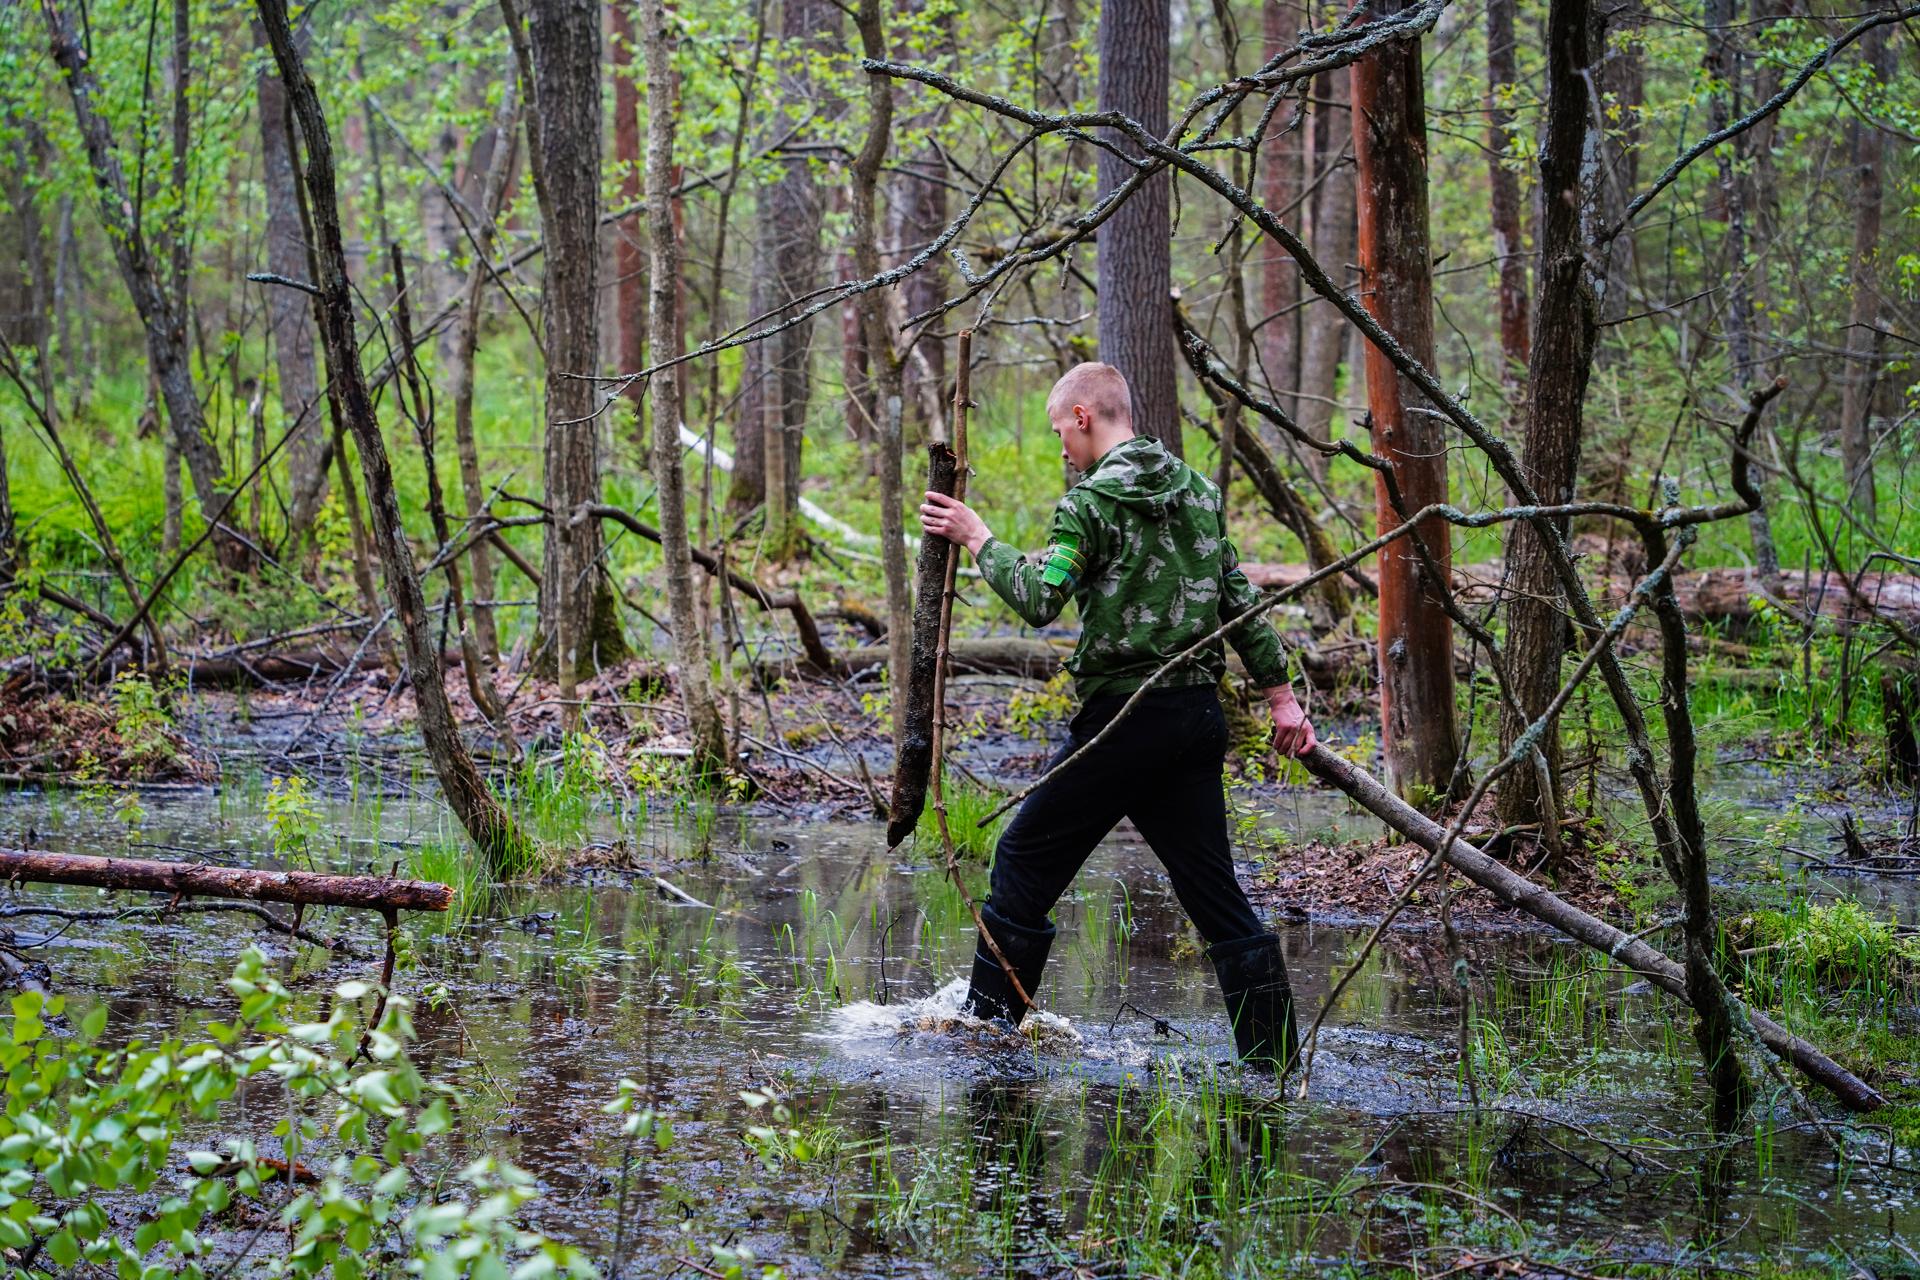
(931, 583)
(962, 393)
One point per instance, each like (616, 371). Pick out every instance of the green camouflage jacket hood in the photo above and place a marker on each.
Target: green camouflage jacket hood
(1140, 546)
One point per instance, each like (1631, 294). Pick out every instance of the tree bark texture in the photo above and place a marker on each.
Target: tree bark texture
(919, 208)
(1134, 247)
(251, 884)
(1503, 76)
(168, 353)
(498, 839)
(289, 312)
(1861, 373)
(1623, 93)
(1714, 1017)
(466, 344)
(1283, 182)
(1324, 330)
(1567, 323)
(915, 715)
(576, 609)
(1725, 64)
(629, 234)
(1418, 734)
(790, 216)
(884, 367)
(689, 644)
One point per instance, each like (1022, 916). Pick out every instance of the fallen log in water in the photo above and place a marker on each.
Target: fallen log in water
(199, 880)
(1517, 891)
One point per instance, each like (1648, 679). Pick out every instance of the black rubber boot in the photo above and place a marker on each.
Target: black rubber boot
(989, 993)
(1253, 978)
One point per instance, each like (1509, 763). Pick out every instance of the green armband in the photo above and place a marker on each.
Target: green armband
(1063, 565)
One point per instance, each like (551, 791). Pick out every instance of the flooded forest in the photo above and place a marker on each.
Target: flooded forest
(802, 638)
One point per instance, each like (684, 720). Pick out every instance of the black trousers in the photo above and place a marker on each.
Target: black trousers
(1161, 768)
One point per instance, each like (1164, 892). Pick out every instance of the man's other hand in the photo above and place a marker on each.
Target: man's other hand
(953, 520)
(1292, 731)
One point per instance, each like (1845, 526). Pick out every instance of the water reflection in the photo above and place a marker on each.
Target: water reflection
(831, 975)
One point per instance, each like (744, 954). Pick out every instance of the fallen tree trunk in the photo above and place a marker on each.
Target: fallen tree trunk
(1732, 598)
(267, 668)
(1518, 892)
(916, 725)
(198, 880)
(1351, 665)
(1029, 658)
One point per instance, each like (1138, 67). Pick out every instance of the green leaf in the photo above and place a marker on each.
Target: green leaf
(63, 1249)
(376, 1088)
(94, 1023)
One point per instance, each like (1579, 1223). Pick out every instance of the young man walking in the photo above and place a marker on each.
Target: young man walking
(1140, 546)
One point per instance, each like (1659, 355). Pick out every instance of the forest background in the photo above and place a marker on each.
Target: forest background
(164, 292)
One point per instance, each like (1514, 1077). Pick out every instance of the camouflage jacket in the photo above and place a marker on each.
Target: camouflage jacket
(1140, 545)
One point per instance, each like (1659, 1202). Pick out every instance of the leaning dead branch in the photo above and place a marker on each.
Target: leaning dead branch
(1627, 949)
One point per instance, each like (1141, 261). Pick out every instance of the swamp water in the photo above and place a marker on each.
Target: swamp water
(1117, 1138)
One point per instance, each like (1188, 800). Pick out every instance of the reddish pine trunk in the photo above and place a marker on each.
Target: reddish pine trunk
(1416, 638)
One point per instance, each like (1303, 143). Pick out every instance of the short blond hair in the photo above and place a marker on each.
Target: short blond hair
(1100, 387)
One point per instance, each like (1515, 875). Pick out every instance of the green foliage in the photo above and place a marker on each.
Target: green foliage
(966, 805)
(1828, 946)
(1032, 713)
(292, 817)
(87, 1122)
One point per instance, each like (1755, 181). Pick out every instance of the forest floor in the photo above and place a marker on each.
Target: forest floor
(1312, 856)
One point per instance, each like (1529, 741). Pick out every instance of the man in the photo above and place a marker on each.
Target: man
(1140, 546)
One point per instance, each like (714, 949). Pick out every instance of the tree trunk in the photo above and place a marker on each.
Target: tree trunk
(790, 219)
(1135, 245)
(884, 368)
(1418, 736)
(289, 312)
(914, 714)
(1714, 1018)
(168, 356)
(1567, 322)
(1623, 92)
(1503, 76)
(498, 839)
(1725, 66)
(1324, 333)
(689, 646)
(1283, 181)
(577, 615)
(1860, 374)
(465, 342)
(920, 214)
(629, 234)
